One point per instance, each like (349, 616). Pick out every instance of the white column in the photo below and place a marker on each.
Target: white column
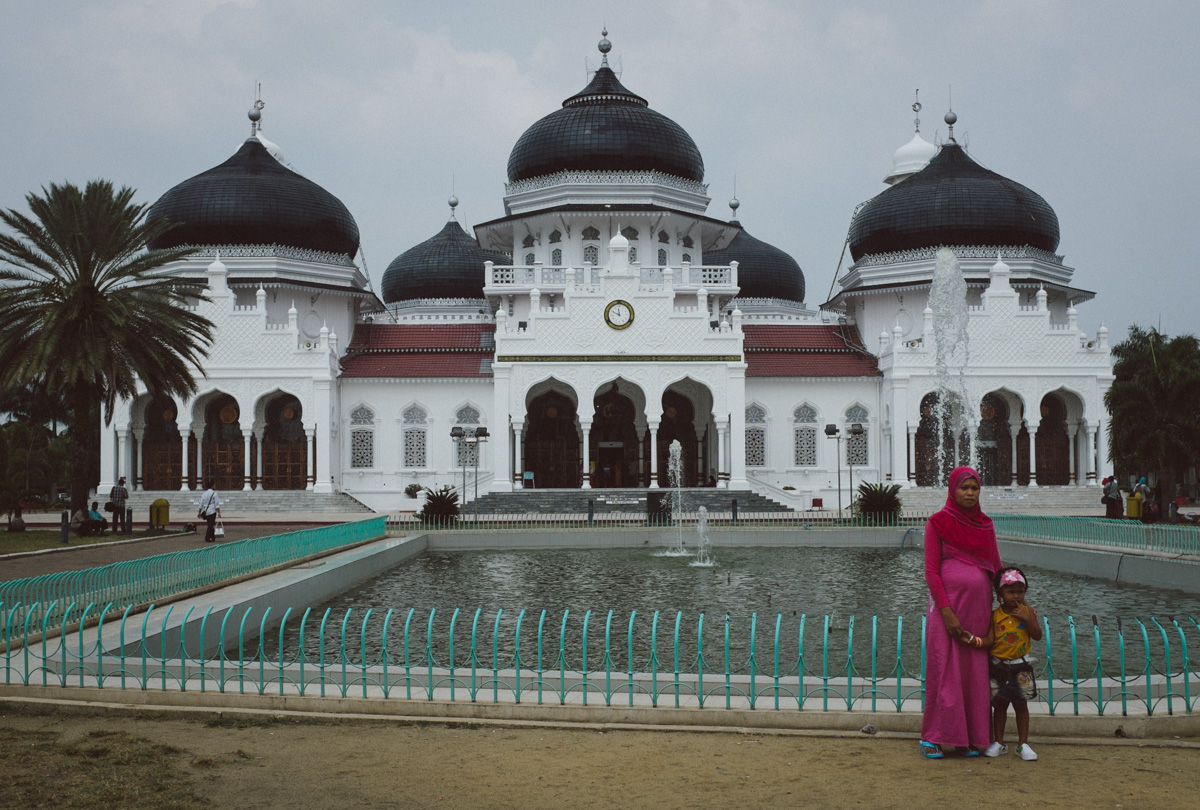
(310, 447)
(722, 452)
(1089, 456)
(246, 436)
(1013, 429)
(898, 438)
(138, 435)
(500, 420)
(1032, 428)
(1073, 455)
(258, 461)
(737, 425)
(184, 435)
(123, 453)
(911, 464)
(323, 433)
(199, 457)
(517, 476)
(652, 425)
(586, 427)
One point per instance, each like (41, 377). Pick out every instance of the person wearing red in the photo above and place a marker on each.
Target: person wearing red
(961, 558)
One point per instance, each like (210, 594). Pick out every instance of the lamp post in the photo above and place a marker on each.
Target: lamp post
(856, 429)
(832, 432)
(459, 435)
(481, 436)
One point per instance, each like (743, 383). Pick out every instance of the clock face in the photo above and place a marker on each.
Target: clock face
(619, 314)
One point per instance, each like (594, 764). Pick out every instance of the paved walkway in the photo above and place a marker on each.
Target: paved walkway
(78, 557)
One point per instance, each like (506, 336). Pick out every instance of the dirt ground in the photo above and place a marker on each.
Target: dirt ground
(248, 763)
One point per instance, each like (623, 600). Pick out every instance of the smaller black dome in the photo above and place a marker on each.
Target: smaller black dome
(764, 271)
(253, 199)
(448, 265)
(605, 127)
(953, 201)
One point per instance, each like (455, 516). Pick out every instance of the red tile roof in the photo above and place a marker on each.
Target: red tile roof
(393, 336)
(818, 350)
(420, 350)
(429, 364)
(799, 364)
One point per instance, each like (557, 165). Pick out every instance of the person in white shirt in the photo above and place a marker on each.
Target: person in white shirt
(210, 510)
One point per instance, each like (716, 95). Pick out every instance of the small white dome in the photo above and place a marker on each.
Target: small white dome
(273, 149)
(618, 241)
(910, 159)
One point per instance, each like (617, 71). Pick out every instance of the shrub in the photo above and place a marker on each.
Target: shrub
(878, 503)
(440, 508)
(412, 489)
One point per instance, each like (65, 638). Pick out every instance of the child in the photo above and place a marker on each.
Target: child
(1014, 624)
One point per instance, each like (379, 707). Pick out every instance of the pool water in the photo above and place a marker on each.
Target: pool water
(776, 584)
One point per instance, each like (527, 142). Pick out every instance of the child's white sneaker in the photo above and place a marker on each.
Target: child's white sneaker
(996, 749)
(1026, 753)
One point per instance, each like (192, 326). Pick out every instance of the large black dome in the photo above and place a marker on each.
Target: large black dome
(449, 265)
(953, 201)
(764, 271)
(605, 128)
(252, 199)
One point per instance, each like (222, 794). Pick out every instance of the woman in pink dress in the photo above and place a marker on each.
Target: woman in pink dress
(961, 558)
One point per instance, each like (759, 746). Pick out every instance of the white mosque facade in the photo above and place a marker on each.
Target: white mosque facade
(605, 316)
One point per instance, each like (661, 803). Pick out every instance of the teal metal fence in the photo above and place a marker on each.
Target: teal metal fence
(144, 580)
(819, 663)
(1126, 534)
(1093, 532)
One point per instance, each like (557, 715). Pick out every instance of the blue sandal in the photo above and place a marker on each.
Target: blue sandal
(972, 751)
(931, 750)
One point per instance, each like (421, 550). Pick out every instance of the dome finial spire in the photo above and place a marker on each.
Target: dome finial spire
(453, 202)
(916, 108)
(255, 114)
(604, 46)
(734, 204)
(951, 118)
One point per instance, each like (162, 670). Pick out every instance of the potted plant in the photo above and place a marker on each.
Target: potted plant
(440, 508)
(879, 503)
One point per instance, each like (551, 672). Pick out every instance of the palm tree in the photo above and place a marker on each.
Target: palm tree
(85, 314)
(1154, 406)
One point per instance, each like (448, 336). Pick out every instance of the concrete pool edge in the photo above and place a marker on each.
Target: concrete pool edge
(1156, 729)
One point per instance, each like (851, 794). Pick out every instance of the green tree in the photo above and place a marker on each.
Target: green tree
(1154, 406)
(32, 462)
(86, 314)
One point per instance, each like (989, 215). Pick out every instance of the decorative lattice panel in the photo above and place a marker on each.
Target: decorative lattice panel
(362, 416)
(856, 449)
(806, 447)
(414, 415)
(755, 415)
(805, 414)
(756, 447)
(414, 448)
(362, 448)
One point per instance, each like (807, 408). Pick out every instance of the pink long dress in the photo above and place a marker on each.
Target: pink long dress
(957, 692)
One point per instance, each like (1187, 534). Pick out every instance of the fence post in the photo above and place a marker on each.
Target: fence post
(66, 526)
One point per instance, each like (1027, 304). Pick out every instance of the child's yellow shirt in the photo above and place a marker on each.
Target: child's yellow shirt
(1012, 637)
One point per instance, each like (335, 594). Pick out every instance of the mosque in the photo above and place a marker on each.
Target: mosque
(569, 343)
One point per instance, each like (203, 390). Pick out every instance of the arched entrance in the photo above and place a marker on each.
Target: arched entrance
(223, 449)
(941, 439)
(678, 423)
(994, 442)
(161, 446)
(552, 442)
(1053, 445)
(284, 447)
(613, 440)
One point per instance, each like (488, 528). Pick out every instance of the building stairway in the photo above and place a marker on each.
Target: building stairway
(281, 501)
(615, 501)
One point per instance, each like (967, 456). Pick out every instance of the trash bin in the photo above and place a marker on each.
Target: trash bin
(160, 514)
(1133, 507)
(658, 508)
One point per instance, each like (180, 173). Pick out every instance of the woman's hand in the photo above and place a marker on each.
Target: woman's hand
(953, 625)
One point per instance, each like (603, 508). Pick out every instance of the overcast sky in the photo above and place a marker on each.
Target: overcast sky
(1092, 104)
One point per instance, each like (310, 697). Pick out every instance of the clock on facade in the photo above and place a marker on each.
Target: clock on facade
(619, 314)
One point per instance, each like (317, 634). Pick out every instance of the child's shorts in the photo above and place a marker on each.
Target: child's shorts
(1012, 681)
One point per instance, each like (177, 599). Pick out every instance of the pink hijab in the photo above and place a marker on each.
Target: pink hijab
(969, 531)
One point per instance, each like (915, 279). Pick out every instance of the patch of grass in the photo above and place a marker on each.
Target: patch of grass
(105, 769)
(246, 721)
(38, 539)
